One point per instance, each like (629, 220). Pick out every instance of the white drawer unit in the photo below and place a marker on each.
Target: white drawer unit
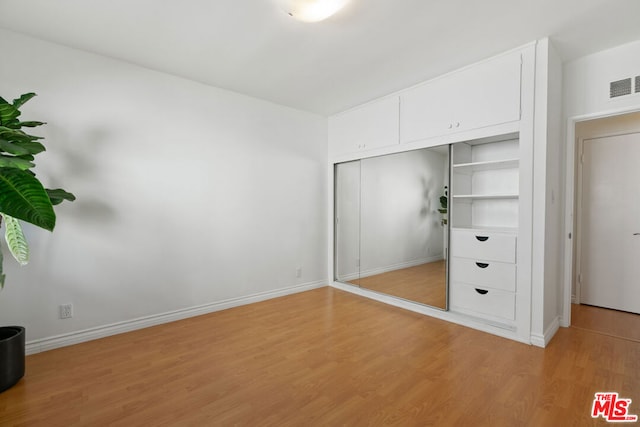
(483, 273)
(483, 245)
(483, 302)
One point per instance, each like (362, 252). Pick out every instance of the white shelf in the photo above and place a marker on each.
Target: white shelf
(483, 166)
(471, 197)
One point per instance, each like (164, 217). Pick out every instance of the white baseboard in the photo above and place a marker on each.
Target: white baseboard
(574, 299)
(50, 343)
(542, 340)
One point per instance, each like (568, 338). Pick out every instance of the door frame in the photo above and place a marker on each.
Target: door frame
(571, 248)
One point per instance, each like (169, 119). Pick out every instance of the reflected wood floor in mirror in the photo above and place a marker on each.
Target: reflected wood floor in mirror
(425, 283)
(606, 321)
(321, 358)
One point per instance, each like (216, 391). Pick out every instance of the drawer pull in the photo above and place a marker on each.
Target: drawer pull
(482, 291)
(482, 238)
(482, 264)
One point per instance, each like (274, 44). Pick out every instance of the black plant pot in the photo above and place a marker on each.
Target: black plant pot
(11, 356)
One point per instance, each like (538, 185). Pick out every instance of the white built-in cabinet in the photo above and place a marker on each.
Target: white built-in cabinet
(486, 112)
(483, 95)
(484, 228)
(370, 126)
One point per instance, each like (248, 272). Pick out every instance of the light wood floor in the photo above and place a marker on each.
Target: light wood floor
(606, 321)
(425, 283)
(322, 358)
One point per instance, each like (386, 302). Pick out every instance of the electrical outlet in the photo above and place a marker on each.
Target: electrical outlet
(299, 272)
(66, 311)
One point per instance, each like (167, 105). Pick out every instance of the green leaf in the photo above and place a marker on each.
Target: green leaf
(12, 148)
(15, 239)
(21, 148)
(3, 101)
(27, 157)
(22, 196)
(19, 102)
(59, 195)
(31, 124)
(8, 114)
(15, 163)
(33, 147)
(16, 135)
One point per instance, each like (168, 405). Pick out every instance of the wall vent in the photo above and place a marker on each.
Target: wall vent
(620, 88)
(637, 84)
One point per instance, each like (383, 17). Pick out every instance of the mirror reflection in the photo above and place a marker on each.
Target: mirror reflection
(391, 224)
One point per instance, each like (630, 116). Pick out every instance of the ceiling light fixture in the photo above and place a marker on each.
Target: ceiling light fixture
(311, 10)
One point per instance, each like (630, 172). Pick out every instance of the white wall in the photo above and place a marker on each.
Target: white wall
(586, 81)
(554, 236)
(187, 195)
(586, 96)
(548, 242)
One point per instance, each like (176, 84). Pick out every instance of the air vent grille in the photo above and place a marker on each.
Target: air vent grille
(620, 88)
(637, 84)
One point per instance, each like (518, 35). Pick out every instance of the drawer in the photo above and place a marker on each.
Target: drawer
(482, 302)
(483, 245)
(483, 273)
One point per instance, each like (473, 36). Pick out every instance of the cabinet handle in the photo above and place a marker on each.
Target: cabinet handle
(636, 234)
(482, 238)
(450, 126)
(457, 124)
(482, 264)
(482, 291)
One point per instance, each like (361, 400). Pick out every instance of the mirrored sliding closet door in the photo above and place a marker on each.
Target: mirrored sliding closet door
(391, 224)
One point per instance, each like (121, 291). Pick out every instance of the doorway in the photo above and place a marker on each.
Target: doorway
(607, 206)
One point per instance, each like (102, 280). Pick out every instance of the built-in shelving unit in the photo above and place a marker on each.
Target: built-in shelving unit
(484, 232)
(485, 187)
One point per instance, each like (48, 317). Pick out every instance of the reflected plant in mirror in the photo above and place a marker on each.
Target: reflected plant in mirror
(390, 235)
(444, 202)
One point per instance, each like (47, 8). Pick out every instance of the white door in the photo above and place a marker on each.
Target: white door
(610, 223)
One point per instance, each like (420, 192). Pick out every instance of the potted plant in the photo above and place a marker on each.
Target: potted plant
(22, 197)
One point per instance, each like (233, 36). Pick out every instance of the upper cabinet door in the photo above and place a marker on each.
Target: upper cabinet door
(373, 125)
(482, 95)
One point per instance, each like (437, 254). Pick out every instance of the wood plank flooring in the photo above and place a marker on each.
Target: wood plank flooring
(326, 358)
(425, 283)
(616, 323)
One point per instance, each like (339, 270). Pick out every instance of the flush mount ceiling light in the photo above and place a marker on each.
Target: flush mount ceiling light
(311, 10)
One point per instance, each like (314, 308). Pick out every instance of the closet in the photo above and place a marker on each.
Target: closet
(485, 113)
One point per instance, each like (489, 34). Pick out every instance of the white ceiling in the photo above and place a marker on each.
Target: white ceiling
(370, 48)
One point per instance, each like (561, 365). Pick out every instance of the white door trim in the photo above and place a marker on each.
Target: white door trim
(577, 234)
(570, 220)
